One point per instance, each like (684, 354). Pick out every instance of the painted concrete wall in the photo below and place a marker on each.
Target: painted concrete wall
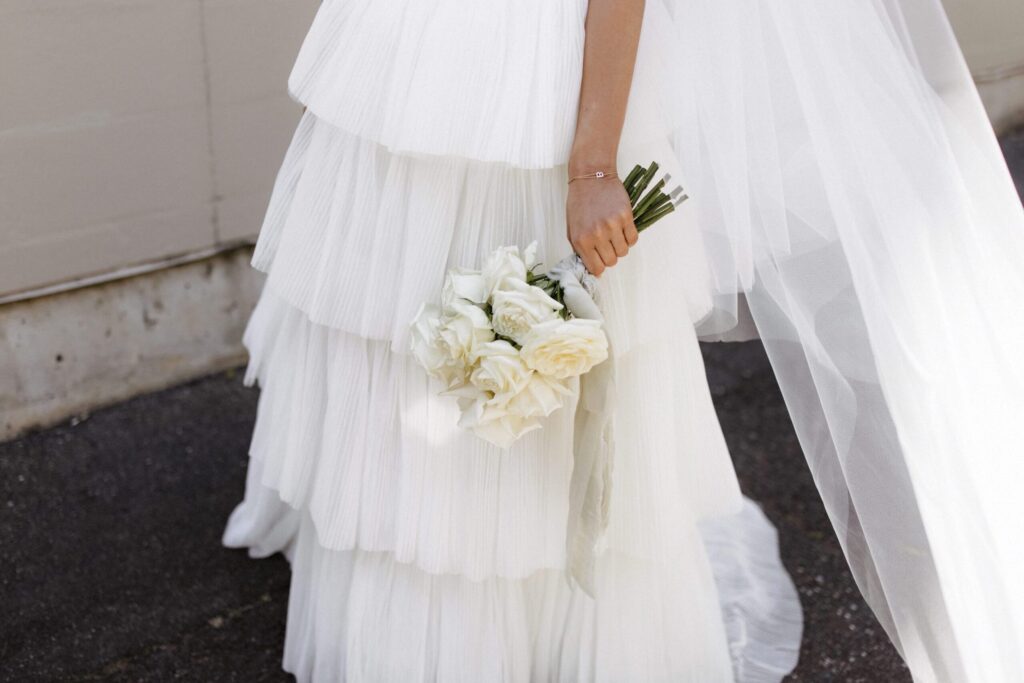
(65, 355)
(991, 33)
(133, 131)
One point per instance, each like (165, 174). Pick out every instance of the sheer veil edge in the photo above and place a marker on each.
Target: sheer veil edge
(859, 204)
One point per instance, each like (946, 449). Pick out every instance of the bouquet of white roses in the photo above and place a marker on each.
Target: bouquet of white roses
(503, 340)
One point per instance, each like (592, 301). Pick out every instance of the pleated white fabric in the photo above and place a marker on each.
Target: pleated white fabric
(360, 615)
(435, 132)
(492, 81)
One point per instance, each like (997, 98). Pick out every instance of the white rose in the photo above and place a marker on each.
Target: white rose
(500, 370)
(565, 348)
(488, 417)
(502, 263)
(463, 332)
(463, 284)
(516, 307)
(530, 254)
(539, 397)
(504, 430)
(428, 350)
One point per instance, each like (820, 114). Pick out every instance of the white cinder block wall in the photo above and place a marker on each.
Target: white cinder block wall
(991, 33)
(132, 131)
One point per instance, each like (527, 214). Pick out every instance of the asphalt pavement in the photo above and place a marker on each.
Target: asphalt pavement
(112, 569)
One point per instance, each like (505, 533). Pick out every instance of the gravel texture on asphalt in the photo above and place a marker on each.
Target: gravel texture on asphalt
(113, 570)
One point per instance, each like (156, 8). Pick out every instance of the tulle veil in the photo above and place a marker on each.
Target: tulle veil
(859, 218)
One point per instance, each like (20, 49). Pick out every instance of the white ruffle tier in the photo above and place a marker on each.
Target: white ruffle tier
(725, 612)
(488, 80)
(361, 616)
(360, 437)
(358, 238)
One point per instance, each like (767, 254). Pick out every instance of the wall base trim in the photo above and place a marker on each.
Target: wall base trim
(68, 353)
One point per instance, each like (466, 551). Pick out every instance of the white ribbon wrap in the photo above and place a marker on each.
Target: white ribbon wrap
(593, 442)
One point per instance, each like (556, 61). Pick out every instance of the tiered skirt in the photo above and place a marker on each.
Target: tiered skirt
(418, 551)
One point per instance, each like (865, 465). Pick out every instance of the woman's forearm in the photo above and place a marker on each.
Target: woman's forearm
(598, 215)
(612, 36)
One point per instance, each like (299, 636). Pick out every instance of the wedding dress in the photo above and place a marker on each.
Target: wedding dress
(848, 205)
(419, 552)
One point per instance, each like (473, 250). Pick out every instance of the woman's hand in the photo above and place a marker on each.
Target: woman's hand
(599, 221)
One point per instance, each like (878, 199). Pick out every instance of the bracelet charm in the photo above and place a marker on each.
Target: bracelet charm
(595, 174)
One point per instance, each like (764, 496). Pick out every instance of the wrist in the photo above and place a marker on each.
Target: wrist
(583, 164)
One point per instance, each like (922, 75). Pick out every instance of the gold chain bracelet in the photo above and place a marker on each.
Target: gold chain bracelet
(596, 174)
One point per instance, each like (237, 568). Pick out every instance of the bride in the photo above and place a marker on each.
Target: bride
(848, 206)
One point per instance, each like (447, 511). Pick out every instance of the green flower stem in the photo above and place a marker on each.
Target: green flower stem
(649, 198)
(642, 184)
(638, 187)
(655, 216)
(661, 200)
(633, 176)
(652, 218)
(538, 280)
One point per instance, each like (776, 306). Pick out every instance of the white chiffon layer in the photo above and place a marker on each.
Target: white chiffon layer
(361, 615)
(492, 81)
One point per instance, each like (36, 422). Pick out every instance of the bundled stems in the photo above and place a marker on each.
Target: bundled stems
(654, 195)
(550, 287)
(650, 217)
(651, 205)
